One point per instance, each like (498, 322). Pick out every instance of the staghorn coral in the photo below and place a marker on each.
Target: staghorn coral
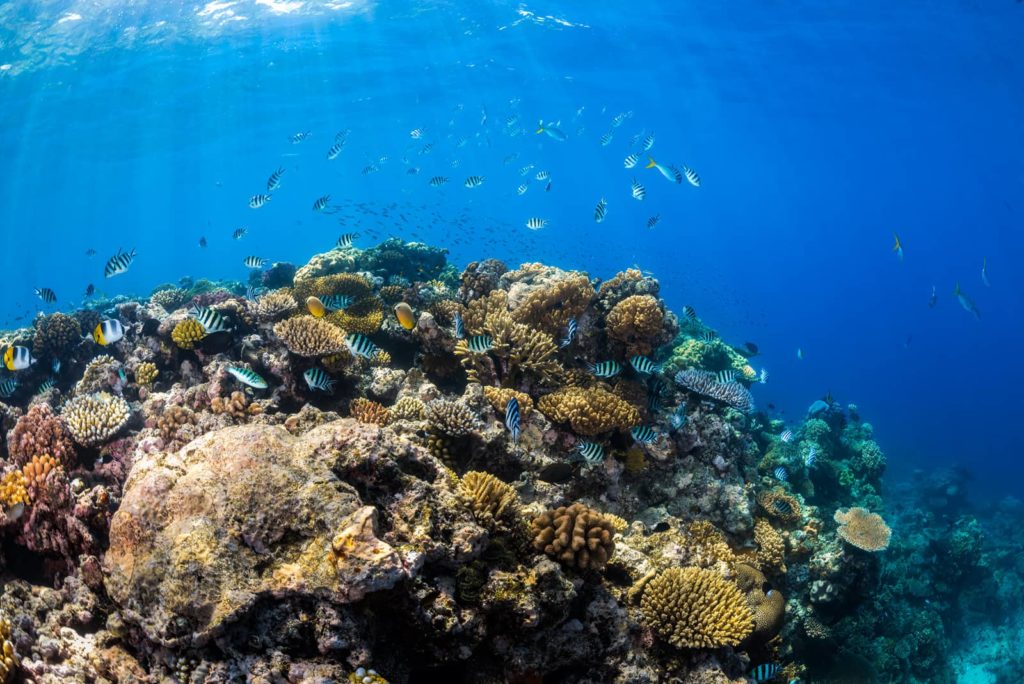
(146, 373)
(588, 411)
(492, 501)
(94, 418)
(274, 306)
(8, 658)
(706, 383)
(56, 334)
(409, 408)
(13, 493)
(499, 396)
(549, 308)
(381, 358)
(348, 284)
(366, 411)
(696, 608)
(308, 336)
(40, 432)
(780, 505)
(635, 322)
(187, 333)
(576, 536)
(771, 547)
(863, 529)
(236, 405)
(451, 417)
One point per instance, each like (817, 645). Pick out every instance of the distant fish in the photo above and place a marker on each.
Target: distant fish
(811, 456)
(438, 181)
(799, 354)
(765, 672)
(334, 150)
(18, 358)
(474, 181)
(984, 271)
(691, 176)
(601, 210)
(7, 387)
(592, 452)
(643, 365)
(786, 437)
(642, 434)
(202, 241)
(708, 336)
(274, 181)
(360, 345)
(631, 160)
(526, 169)
(897, 246)
(253, 293)
(254, 261)
(107, 332)
(639, 192)
(606, 139)
(552, 131)
(405, 316)
(46, 294)
(347, 239)
(510, 158)
(657, 388)
(570, 334)
(211, 320)
(239, 233)
(426, 148)
(670, 173)
(934, 299)
(317, 379)
(460, 330)
(90, 289)
(370, 168)
(647, 143)
(763, 376)
(780, 474)
(512, 419)
(322, 204)
(416, 133)
(55, 366)
(118, 264)
(749, 349)
(412, 170)
(653, 221)
(247, 377)
(690, 312)
(536, 223)
(605, 369)
(966, 302)
(480, 344)
(619, 118)
(257, 201)
(522, 189)
(542, 175)
(46, 385)
(90, 252)
(299, 137)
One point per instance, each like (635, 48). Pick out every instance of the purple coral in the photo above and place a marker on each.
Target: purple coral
(706, 383)
(40, 432)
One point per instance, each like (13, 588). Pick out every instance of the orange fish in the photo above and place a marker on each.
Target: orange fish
(316, 307)
(405, 316)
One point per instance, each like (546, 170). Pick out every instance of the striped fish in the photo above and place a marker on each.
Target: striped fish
(474, 181)
(46, 385)
(8, 386)
(786, 436)
(690, 312)
(257, 201)
(536, 223)
(210, 319)
(643, 365)
(631, 160)
(460, 331)
(107, 332)
(639, 192)
(512, 421)
(708, 336)
(653, 221)
(780, 474)
(46, 294)
(526, 169)
(542, 175)
(370, 168)
(247, 377)
(239, 233)
(601, 210)
(438, 181)
(642, 434)
(317, 379)
(811, 456)
(480, 344)
(763, 376)
(252, 293)
(592, 452)
(657, 388)
(605, 139)
(521, 190)
(360, 345)
(321, 203)
(347, 239)
(570, 333)
(334, 150)
(299, 137)
(765, 672)
(274, 181)
(18, 358)
(726, 376)
(254, 261)
(678, 418)
(647, 143)
(118, 264)
(605, 369)
(691, 176)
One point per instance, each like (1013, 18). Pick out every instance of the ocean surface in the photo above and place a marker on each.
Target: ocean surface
(818, 130)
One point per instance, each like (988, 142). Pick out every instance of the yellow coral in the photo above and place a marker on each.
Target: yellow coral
(499, 396)
(863, 529)
(94, 418)
(13, 492)
(780, 504)
(771, 547)
(409, 408)
(707, 355)
(550, 308)
(8, 658)
(576, 536)
(381, 358)
(187, 332)
(392, 294)
(36, 471)
(366, 411)
(358, 318)
(635, 322)
(146, 373)
(696, 608)
(589, 411)
(348, 284)
(364, 676)
(491, 500)
(708, 545)
(308, 336)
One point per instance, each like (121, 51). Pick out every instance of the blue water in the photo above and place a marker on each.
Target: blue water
(818, 129)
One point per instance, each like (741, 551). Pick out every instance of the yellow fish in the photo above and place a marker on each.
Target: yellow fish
(108, 332)
(316, 307)
(18, 358)
(898, 246)
(405, 316)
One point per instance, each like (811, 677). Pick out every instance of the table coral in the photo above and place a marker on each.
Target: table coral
(39, 432)
(576, 536)
(308, 336)
(589, 411)
(696, 608)
(861, 528)
(94, 418)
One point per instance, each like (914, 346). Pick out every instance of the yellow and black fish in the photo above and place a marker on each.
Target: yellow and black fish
(18, 358)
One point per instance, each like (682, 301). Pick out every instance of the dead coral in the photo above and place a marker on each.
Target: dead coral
(863, 529)
(366, 411)
(275, 305)
(696, 608)
(451, 417)
(308, 336)
(635, 322)
(589, 411)
(576, 536)
(492, 501)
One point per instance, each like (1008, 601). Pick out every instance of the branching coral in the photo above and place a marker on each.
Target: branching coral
(171, 298)
(589, 411)
(696, 608)
(366, 411)
(236, 405)
(171, 420)
(308, 336)
(187, 333)
(94, 418)
(499, 396)
(56, 334)
(550, 308)
(576, 536)
(492, 501)
(348, 284)
(771, 547)
(452, 418)
(635, 322)
(480, 277)
(780, 505)
(706, 383)
(274, 306)
(409, 408)
(40, 432)
(146, 373)
(101, 373)
(36, 471)
(708, 545)
(862, 529)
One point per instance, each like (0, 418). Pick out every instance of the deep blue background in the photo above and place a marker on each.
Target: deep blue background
(818, 131)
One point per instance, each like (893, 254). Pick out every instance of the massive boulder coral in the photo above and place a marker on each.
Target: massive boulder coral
(308, 336)
(92, 419)
(577, 536)
(635, 323)
(863, 529)
(696, 608)
(589, 411)
(56, 334)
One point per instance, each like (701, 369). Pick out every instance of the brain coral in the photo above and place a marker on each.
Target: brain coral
(768, 607)
(308, 336)
(696, 608)
(274, 306)
(40, 432)
(863, 529)
(453, 418)
(490, 499)
(94, 418)
(56, 334)
(576, 536)
(187, 332)
(635, 321)
(589, 411)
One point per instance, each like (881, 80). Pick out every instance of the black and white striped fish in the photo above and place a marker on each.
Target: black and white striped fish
(605, 369)
(480, 344)
(474, 181)
(647, 143)
(512, 421)
(118, 264)
(370, 168)
(438, 181)
(257, 201)
(322, 203)
(780, 474)
(726, 376)
(522, 189)
(601, 210)
(46, 294)
(46, 385)
(360, 345)
(570, 333)
(653, 221)
(210, 319)
(643, 365)
(334, 150)
(690, 312)
(239, 233)
(7, 387)
(708, 336)
(526, 169)
(274, 181)
(317, 379)
(252, 293)
(691, 176)
(606, 139)
(592, 452)
(336, 301)
(643, 434)
(254, 261)
(631, 161)
(299, 137)
(639, 192)
(347, 239)
(542, 175)
(765, 672)
(536, 223)
(786, 436)
(247, 377)
(460, 331)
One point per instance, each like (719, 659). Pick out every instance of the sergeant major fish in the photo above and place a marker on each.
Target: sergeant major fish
(118, 264)
(317, 379)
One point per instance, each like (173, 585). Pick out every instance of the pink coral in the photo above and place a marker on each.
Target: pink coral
(40, 432)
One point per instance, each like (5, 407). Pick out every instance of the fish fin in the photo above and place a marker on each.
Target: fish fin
(651, 164)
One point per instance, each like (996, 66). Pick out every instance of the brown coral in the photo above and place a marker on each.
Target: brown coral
(863, 529)
(452, 418)
(522, 349)
(707, 545)
(576, 536)
(589, 411)
(780, 505)
(170, 298)
(146, 373)
(550, 308)
(56, 334)
(274, 306)
(36, 472)
(491, 500)
(40, 432)
(635, 322)
(308, 336)
(8, 658)
(366, 411)
(171, 420)
(768, 607)
(94, 418)
(392, 294)
(771, 547)
(348, 284)
(187, 332)
(364, 317)
(237, 406)
(381, 359)
(696, 608)
(499, 396)
(409, 408)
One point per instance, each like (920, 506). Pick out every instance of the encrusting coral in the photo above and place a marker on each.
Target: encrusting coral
(696, 608)
(589, 411)
(366, 411)
(861, 528)
(576, 536)
(187, 333)
(308, 336)
(492, 501)
(93, 419)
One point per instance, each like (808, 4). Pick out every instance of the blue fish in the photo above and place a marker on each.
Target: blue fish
(811, 456)
(551, 131)
(765, 672)
(643, 434)
(780, 474)
(247, 377)
(605, 369)
(966, 302)
(512, 419)
(570, 333)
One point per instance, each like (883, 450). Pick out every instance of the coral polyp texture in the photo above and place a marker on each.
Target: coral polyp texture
(188, 333)
(308, 336)
(92, 419)
(491, 500)
(274, 306)
(39, 432)
(861, 528)
(696, 608)
(589, 411)
(576, 536)
(453, 418)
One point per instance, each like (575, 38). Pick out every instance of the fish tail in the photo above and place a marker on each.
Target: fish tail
(956, 289)
(651, 164)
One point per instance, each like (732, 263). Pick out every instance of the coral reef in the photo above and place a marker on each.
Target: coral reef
(187, 333)
(453, 418)
(56, 335)
(366, 411)
(274, 306)
(590, 411)
(492, 501)
(861, 528)
(40, 432)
